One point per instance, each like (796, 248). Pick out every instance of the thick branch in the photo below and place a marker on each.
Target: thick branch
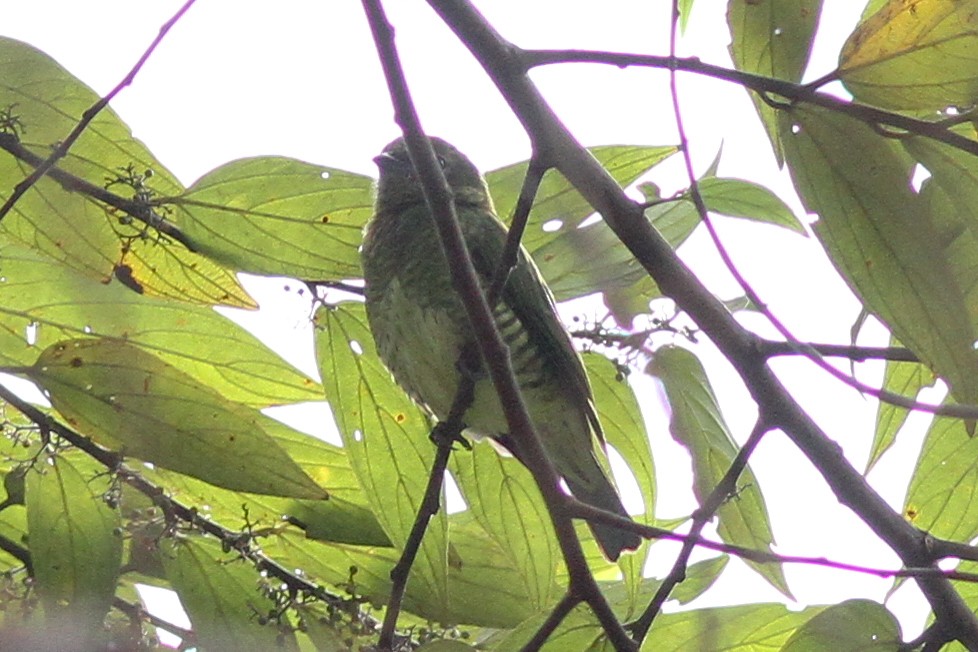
(503, 63)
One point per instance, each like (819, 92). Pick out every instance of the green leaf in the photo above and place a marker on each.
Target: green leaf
(504, 499)
(906, 379)
(75, 543)
(222, 596)
(624, 429)
(739, 198)
(581, 261)
(746, 627)
(914, 54)
(699, 577)
(685, 9)
(578, 631)
(892, 250)
(279, 216)
(772, 39)
(854, 625)
(59, 304)
(943, 495)
(75, 229)
(698, 425)
(385, 437)
(486, 590)
(556, 199)
(132, 401)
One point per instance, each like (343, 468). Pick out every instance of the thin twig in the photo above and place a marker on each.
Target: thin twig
(172, 508)
(766, 86)
(554, 618)
(722, 492)
(61, 150)
(136, 612)
(772, 348)
(491, 345)
(430, 505)
(135, 209)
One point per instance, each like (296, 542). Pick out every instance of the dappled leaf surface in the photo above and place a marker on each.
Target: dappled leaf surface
(132, 401)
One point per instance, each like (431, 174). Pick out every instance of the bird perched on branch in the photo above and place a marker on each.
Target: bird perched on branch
(420, 326)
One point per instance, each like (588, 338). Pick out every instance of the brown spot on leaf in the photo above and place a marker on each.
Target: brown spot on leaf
(76, 362)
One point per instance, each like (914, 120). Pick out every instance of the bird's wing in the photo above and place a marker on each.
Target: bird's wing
(531, 301)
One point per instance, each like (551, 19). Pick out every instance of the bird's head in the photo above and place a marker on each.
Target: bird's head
(399, 185)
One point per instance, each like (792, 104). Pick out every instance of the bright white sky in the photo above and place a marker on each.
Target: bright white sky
(300, 78)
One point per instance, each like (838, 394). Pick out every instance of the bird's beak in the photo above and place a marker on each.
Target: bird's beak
(388, 162)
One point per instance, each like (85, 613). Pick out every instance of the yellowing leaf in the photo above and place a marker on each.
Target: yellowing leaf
(915, 54)
(132, 401)
(73, 228)
(60, 304)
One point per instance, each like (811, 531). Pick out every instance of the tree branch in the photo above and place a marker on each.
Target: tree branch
(137, 210)
(61, 150)
(493, 349)
(504, 65)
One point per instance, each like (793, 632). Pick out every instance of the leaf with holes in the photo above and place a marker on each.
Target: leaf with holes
(772, 39)
(899, 252)
(43, 302)
(279, 216)
(386, 438)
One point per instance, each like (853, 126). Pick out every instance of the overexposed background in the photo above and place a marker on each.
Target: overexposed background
(300, 78)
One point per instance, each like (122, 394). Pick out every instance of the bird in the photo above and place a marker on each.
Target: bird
(420, 327)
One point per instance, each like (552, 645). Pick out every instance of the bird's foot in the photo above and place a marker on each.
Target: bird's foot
(446, 433)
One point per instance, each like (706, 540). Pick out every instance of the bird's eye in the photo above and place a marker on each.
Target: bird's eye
(442, 162)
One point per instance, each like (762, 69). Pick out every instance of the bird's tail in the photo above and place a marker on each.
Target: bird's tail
(601, 493)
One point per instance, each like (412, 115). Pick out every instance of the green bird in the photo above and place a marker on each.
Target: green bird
(420, 326)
